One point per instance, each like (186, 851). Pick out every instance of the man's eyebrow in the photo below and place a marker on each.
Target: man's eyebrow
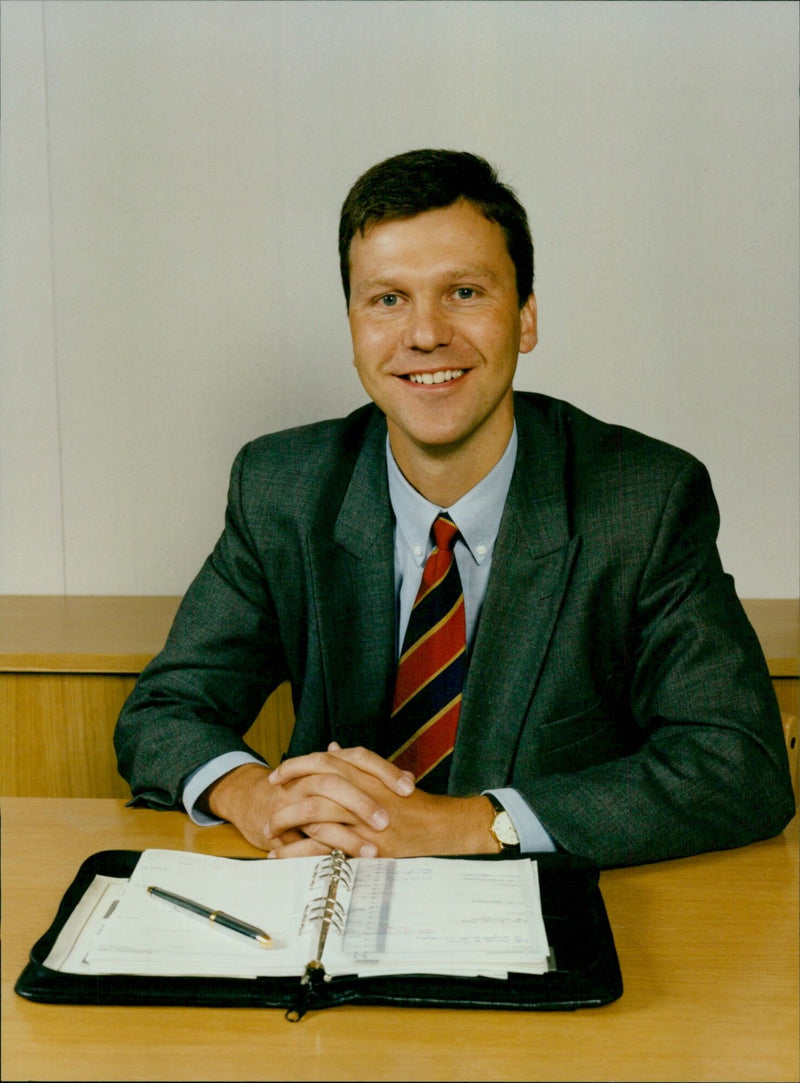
(473, 271)
(366, 285)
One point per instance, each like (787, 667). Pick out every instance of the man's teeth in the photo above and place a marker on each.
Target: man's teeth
(435, 377)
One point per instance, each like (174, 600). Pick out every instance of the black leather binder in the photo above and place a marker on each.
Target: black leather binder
(586, 972)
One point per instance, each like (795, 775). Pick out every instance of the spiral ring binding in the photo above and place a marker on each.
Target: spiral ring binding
(329, 911)
(333, 864)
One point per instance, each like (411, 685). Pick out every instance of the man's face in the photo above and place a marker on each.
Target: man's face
(437, 329)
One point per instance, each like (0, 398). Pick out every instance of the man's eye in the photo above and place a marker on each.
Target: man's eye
(389, 300)
(465, 293)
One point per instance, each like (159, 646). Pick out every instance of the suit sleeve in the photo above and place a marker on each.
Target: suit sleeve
(222, 659)
(709, 769)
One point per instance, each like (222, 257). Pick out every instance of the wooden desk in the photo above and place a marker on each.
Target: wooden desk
(777, 624)
(77, 658)
(708, 948)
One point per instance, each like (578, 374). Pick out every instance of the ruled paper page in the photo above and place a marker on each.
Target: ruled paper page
(443, 916)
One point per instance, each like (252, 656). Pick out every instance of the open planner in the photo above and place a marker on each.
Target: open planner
(171, 927)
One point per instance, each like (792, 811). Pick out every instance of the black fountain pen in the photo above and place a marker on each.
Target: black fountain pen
(216, 917)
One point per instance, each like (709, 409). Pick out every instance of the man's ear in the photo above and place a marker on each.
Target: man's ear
(528, 323)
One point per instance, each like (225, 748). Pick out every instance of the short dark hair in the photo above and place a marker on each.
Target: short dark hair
(423, 180)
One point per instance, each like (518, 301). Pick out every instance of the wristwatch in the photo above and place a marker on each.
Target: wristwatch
(502, 828)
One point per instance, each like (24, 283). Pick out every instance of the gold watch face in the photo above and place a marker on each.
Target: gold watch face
(504, 831)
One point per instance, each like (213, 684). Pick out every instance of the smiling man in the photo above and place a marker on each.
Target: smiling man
(437, 326)
(505, 623)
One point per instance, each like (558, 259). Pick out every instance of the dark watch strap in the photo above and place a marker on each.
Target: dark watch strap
(505, 847)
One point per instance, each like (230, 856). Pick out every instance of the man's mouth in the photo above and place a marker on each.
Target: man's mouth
(441, 377)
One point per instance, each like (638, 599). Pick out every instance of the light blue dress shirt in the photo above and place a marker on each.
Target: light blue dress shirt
(477, 515)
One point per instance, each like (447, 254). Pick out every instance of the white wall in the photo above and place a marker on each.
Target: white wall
(171, 179)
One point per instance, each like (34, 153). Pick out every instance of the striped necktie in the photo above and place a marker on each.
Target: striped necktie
(432, 667)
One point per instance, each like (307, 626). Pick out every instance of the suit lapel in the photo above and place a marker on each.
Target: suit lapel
(530, 570)
(354, 583)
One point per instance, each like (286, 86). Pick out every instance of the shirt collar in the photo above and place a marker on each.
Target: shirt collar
(477, 514)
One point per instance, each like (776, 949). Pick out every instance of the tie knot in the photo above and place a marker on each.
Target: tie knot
(445, 532)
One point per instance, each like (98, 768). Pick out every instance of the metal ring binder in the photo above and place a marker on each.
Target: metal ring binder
(588, 973)
(334, 864)
(329, 911)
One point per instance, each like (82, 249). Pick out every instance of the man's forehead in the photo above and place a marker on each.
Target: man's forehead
(462, 240)
(468, 272)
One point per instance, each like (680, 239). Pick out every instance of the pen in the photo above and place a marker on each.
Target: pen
(216, 917)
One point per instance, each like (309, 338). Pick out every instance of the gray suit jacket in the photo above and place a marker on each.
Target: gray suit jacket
(614, 679)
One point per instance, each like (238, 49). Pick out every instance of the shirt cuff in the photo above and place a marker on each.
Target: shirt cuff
(200, 779)
(533, 838)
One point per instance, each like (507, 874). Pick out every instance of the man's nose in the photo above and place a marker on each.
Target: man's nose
(428, 327)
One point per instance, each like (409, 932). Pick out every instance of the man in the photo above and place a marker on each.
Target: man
(610, 697)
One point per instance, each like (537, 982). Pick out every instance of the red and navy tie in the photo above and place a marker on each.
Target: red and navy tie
(432, 668)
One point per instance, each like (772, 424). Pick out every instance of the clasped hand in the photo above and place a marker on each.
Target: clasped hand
(347, 799)
(340, 799)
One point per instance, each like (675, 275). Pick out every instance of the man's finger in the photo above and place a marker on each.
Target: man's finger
(401, 782)
(332, 762)
(326, 837)
(332, 800)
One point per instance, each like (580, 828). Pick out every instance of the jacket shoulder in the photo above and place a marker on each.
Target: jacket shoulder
(342, 437)
(307, 468)
(592, 444)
